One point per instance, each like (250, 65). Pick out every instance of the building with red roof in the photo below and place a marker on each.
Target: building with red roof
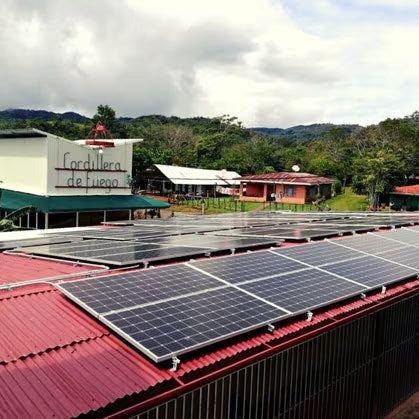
(405, 198)
(285, 187)
(356, 357)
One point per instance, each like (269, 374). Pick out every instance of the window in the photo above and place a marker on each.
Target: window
(289, 191)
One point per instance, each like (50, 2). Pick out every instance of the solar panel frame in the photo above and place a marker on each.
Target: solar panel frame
(296, 309)
(327, 270)
(113, 292)
(168, 254)
(153, 356)
(406, 255)
(347, 269)
(38, 241)
(144, 252)
(402, 236)
(256, 265)
(310, 253)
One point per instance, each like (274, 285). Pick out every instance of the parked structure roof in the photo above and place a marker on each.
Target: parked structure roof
(13, 200)
(192, 176)
(287, 177)
(56, 360)
(407, 190)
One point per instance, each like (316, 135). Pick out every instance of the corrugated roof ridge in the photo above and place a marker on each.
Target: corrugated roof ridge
(12, 293)
(54, 348)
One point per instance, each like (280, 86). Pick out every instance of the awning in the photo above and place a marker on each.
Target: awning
(12, 200)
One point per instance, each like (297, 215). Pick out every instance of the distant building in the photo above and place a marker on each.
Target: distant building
(70, 183)
(286, 187)
(164, 179)
(405, 198)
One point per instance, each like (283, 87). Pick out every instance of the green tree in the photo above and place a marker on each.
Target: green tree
(377, 173)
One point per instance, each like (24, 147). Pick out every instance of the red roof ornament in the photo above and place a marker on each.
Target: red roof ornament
(100, 132)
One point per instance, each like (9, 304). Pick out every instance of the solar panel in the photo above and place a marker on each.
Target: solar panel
(302, 291)
(13, 244)
(371, 271)
(170, 328)
(120, 254)
(402, 235)
(248, 266)
(407, 255)
(287, 233)
(128, 289)
(368, 243)
(316, 254)
(214, 242)
(172, 310)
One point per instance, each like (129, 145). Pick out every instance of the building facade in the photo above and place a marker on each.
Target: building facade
(405, 198)
(69, 183)
(285, 187)
(165, 180)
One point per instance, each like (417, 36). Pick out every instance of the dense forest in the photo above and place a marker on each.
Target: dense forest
(372, 159)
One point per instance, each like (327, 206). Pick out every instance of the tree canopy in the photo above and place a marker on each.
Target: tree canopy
(373, 159)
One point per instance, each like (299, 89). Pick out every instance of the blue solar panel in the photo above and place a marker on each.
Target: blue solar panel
(317, 254)
(173, 327)
(114, 292)
(169, 311)
(304, 290)
(371, 271)
(248, 266)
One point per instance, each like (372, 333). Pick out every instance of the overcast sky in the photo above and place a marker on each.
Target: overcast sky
(271, 63)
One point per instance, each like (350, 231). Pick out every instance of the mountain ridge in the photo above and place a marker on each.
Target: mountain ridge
(300, 133)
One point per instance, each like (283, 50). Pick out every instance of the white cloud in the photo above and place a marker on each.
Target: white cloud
(262, 60)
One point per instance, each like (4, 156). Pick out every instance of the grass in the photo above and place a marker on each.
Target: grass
(348, 201)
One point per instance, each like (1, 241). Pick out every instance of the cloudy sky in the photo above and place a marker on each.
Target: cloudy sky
(272, 63)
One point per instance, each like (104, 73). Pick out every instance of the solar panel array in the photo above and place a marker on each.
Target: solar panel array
(169, 311)
(149, 250)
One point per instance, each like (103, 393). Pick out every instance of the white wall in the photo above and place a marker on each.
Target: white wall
(23, 164)
(30, 165)
(64, 154)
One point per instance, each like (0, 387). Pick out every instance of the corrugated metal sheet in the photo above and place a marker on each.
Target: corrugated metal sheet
(73, 380)
(57, 361)
(192, 176)
(41, 321)
(21, 268)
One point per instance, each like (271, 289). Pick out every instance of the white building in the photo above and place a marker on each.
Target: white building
(161, 178)
(70, 183)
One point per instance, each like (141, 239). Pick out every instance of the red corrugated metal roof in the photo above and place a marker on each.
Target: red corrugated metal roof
(286, 177)
(408, 190)
(73, 380)
(56, 360)
(16, 268)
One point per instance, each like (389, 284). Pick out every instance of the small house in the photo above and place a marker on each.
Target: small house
(285, 187)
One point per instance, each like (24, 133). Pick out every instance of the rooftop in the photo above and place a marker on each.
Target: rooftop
(189, 175)
(407, 190)
(22, 133)
(63, 362)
